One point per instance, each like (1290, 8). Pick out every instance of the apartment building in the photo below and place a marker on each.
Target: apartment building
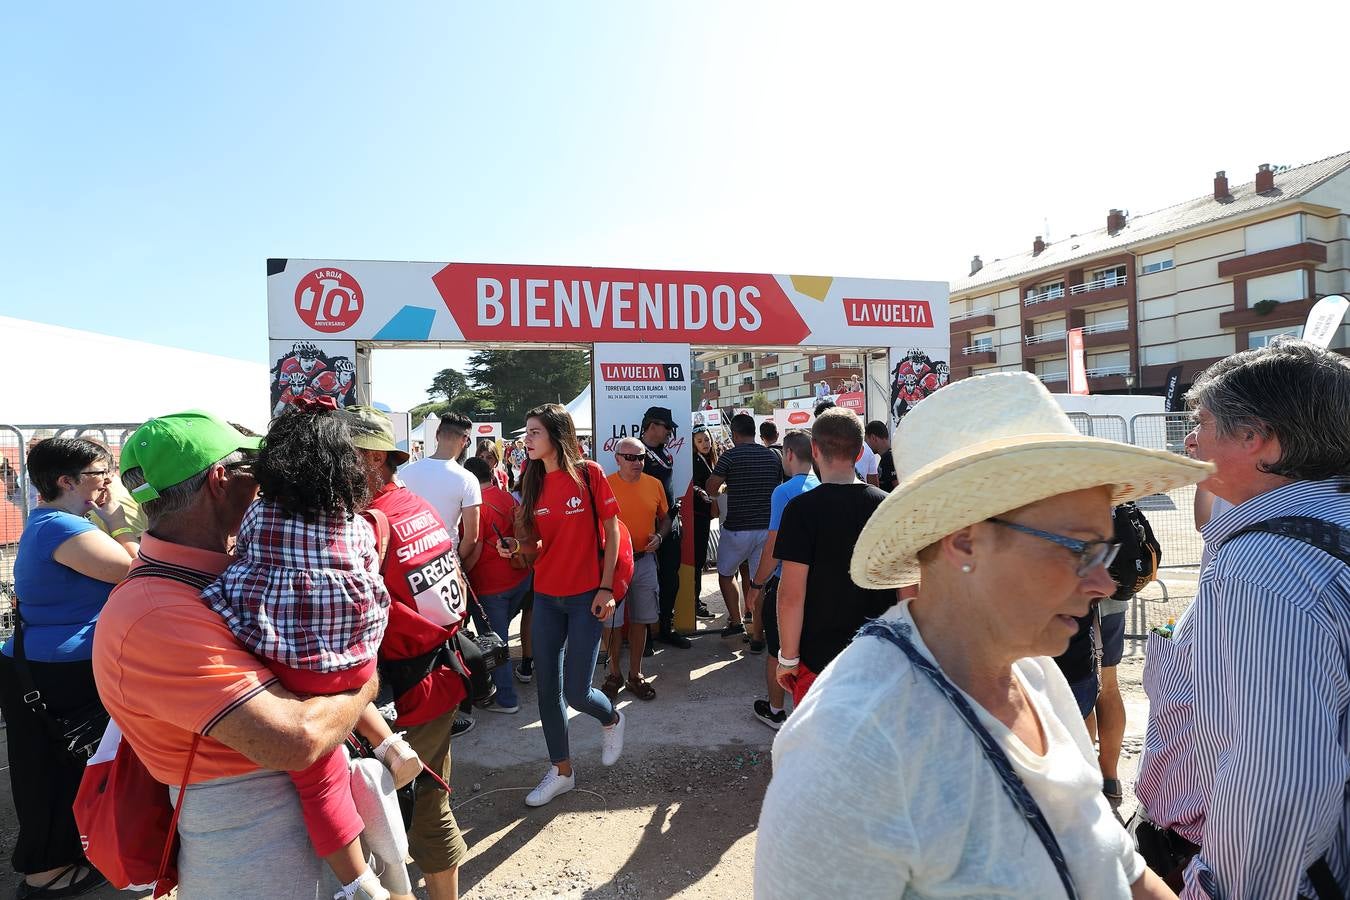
(1186, 285)
(731, 377)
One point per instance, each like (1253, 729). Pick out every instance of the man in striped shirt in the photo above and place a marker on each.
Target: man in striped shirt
(1247, 753)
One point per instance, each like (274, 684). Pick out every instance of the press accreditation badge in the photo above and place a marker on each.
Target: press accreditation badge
(436, 590)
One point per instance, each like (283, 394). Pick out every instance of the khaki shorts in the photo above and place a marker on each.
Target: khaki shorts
(434, 841)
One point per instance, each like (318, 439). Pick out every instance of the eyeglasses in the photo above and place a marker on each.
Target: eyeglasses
(1091, 554)
(97, 473)
(632, 457)
(243, 468)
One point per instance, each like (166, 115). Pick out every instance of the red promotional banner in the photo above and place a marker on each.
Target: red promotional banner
(853, 400)
(558, 304)
(1077, 365)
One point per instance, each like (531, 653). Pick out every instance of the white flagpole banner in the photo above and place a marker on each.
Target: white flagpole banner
(1325, 319)
(631, 378)
(915, 373)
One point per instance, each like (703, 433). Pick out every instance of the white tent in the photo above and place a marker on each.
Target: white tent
(61, 376)
(580, 410)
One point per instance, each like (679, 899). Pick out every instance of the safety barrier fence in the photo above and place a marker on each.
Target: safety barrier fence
(19, 494)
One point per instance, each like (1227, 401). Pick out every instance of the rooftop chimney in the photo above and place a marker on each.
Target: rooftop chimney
(1265, 178)
(1221, 186)
(1115, 220)
(976, 265)
(1037, 246)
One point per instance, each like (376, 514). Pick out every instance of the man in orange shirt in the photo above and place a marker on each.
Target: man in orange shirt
(168, 669)
(642, 509)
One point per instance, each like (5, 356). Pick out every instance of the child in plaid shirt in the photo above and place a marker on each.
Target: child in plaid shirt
(305, 594)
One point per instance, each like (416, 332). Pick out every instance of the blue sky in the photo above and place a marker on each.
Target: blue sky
(156, 155)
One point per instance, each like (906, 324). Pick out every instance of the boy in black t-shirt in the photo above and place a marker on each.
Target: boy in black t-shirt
(819, 606)
(878, 437)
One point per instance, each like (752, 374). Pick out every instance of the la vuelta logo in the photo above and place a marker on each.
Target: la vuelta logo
(329, 300)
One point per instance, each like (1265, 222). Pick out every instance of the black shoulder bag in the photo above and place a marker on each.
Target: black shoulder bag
(77, 732)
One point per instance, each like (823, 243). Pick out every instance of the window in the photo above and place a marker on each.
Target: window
(745, 357)
(1280, 287)
(818, 364)
(1110, 277)
(1155, 262)
(1041, 293)
(747, 380)
(981, 343)
(771, 373)
(1258, 339)
(1280, 232)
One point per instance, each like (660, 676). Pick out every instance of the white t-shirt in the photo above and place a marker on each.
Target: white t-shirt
(446, 485)
(868, 464)
(880, 790)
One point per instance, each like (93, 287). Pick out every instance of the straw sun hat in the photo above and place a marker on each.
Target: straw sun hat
(982, 446)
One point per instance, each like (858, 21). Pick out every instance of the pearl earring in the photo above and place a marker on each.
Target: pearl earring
(967, 568)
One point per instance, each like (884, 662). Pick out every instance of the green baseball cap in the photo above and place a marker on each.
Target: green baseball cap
(372, 430)
(171, 449)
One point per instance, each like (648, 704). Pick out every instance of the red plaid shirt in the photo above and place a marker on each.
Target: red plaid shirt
(306, 595)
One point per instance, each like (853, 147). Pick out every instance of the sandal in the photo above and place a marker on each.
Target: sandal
(91, 879)
(611, 686)
(642, 689)
(1111, 788)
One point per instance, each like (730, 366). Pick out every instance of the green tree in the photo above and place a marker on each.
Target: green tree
(448, 384)
(517, 380)
(760, 404)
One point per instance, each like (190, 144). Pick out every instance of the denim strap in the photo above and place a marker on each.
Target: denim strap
(898, 634)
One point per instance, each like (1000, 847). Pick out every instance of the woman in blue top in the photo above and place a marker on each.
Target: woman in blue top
(63, 572)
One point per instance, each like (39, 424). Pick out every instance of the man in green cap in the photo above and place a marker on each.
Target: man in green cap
(169, 670)
(426, 582)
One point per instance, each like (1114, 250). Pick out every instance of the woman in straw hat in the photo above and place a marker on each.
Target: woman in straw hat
(942, 754)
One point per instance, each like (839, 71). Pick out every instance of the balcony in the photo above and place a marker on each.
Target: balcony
(768, 358)
(1100, 284)
(1106, 334)
(1035, 298)
(746, 387)
(983, 317)
(1050, 343)
(768, 382)
(1280, 257)
(978, 354)
(1106, 372)
(1052, 377)
(746, 366)
(1281, 314)
(711, 393)
(836, 372)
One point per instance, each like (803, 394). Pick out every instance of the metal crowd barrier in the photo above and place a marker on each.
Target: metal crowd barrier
(18, 494)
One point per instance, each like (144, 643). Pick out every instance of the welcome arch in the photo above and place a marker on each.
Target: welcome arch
(325, 316)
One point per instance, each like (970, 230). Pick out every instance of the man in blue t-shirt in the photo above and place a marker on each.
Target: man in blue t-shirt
(764, 583)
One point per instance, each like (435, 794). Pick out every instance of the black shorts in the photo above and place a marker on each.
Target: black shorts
(1113, 639)
(769, 612)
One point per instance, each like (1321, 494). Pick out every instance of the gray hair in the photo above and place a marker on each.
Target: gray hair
(630, 441)
(178, 498)
(1296, 391)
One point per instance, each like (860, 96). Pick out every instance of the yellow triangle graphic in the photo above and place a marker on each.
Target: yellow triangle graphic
(813, 286)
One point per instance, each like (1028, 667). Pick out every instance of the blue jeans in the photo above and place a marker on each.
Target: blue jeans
(501, 609)
(566, 646)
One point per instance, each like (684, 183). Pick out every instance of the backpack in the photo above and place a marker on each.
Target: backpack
(1140, 553)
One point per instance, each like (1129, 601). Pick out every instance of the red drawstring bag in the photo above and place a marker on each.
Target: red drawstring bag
(624, 562)
(128, 827)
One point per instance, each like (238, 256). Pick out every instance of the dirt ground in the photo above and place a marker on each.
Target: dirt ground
(676, 816)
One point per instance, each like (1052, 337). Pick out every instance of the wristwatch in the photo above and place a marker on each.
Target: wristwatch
(758, 587)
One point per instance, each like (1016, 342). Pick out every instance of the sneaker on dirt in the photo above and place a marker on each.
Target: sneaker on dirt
(773, 719)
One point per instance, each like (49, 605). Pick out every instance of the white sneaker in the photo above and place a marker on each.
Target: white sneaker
(613, 742)
(552, 785)
(367, 888)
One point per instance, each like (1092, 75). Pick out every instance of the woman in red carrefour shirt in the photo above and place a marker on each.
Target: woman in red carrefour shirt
(573, 585)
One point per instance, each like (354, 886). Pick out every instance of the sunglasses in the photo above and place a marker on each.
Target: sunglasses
(1091, 554)
(632, 457)
(243, 468)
